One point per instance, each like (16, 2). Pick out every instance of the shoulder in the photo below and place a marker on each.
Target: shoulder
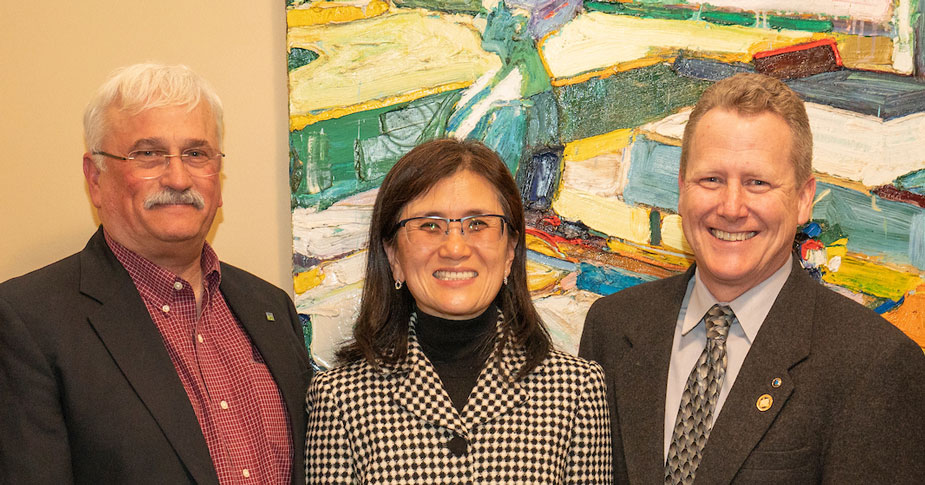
(570, 370)
(56, 276)
(241, 277)
(642, 296)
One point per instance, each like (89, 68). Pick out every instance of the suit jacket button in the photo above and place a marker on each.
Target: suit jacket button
(458, 446)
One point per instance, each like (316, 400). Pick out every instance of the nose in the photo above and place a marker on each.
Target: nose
(176, 175)
(455, 245)
(733, 204)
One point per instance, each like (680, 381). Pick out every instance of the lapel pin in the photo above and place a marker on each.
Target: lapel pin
(776, 382)
(270, 317)
(764, 402)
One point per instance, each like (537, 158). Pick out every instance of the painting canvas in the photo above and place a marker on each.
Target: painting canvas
(586, 103)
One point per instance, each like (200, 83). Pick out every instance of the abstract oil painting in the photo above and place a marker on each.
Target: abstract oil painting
(586, 103)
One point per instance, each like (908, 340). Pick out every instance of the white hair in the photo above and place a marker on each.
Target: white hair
(140, 87)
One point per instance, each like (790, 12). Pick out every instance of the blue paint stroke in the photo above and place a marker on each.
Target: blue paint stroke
(605, 281)
(653, 175)
(895, 231)
(812, 229)
(502, 129)
(912, 182)
(888, 305)
(552, 262)
(879, 94)
(708, 70)
(538, 178)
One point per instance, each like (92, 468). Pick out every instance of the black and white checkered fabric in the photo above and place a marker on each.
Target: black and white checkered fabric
(397, 425)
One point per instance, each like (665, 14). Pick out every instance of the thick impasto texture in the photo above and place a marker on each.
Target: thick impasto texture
(586, 103)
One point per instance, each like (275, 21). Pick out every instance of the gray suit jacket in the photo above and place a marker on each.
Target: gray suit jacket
(850, 408)
(88, 393)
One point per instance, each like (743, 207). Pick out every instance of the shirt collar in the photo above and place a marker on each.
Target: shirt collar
(156, 282)
(750, 307)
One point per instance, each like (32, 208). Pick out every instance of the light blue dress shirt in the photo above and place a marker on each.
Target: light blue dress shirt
(690, 337)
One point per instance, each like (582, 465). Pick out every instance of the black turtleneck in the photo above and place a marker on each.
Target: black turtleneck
(458, 349)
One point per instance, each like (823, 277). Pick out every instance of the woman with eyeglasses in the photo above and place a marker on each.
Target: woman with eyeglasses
(451, 376)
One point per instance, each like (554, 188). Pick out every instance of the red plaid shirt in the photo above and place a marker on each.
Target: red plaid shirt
(239, 408)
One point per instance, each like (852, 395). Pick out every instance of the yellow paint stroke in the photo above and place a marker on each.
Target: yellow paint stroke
(541, 277)
(384, 57)
(866, 52)
(673, 234)
(910, 316)
(591, 147)
(307, 280)
(839, 248)
(297, 122)
(599, 44)
(541, 246)
(858, 273)
(323, 12)
(841, 182)
(608, 215)
(672, 261)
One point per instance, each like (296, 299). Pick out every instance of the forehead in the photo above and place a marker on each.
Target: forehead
(723, 136)
(168, 123)
(463, 193)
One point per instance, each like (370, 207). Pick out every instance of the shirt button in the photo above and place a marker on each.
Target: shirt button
(178, 286)
(165, 308)
(246, 473)
(223, 404)
(458, 446)
(199, 337)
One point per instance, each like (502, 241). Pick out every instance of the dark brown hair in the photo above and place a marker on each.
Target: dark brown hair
(381, 331)
(753, 94)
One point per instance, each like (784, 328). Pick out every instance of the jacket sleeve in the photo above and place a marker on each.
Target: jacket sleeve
(329, 456)
(33, 435)
(590, 453)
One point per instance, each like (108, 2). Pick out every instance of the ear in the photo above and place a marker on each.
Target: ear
(92, 174)
(806, 194)
(397, 272)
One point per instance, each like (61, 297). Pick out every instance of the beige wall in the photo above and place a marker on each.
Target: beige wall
(53, 55)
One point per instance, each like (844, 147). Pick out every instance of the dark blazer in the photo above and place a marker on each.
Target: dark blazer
(88, 393)
(850, 407)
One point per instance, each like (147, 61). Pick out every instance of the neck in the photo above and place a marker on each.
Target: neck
(448, 340)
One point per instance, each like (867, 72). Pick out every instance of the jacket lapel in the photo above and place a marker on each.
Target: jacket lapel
(419, 391)
(781, 343)
(273, 338)
(641, 381)
(125, 328)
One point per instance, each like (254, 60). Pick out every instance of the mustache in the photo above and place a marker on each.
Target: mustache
(169, 196)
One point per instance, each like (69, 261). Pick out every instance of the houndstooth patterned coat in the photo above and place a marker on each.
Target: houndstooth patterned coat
(396, 425)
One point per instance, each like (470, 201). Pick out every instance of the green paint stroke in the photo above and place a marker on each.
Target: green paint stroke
(625, 100)
(449, 6)
(508, 36)
(299, 57)
(728, 18)
(642, 10)
(790, 23)
(344, 156)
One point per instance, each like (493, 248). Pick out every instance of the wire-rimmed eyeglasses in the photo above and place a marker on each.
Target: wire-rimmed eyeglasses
(479, 229)
(151, 164)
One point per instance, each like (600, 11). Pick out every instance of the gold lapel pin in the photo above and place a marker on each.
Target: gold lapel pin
(270, 317)
(764, 402)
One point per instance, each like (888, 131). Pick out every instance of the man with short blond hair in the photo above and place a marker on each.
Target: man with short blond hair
(143, 358)
(744, 369)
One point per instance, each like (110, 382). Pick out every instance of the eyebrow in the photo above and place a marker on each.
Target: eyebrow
(161, 143)
(477, 212)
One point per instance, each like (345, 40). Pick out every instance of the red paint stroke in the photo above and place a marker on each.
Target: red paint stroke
(554, 240)
(803, 47)
(555, 11)
(552, 220)
(889, 192)
(810, 245)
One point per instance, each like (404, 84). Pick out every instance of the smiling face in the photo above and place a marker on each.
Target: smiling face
(156, 231)
(740, 202)
(453, 279)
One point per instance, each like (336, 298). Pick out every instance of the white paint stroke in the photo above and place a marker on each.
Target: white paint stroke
(873, 10)
(599, 175)
(332, 321)
(506, 90)
(597, 40)
(337, 230)
(564, 316)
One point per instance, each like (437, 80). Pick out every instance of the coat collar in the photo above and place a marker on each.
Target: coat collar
(420, 391)
(126, 329)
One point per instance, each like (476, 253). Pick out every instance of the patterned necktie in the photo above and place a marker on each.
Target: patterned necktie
(695, 416)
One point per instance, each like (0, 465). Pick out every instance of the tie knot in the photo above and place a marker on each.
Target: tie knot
(718, 319)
